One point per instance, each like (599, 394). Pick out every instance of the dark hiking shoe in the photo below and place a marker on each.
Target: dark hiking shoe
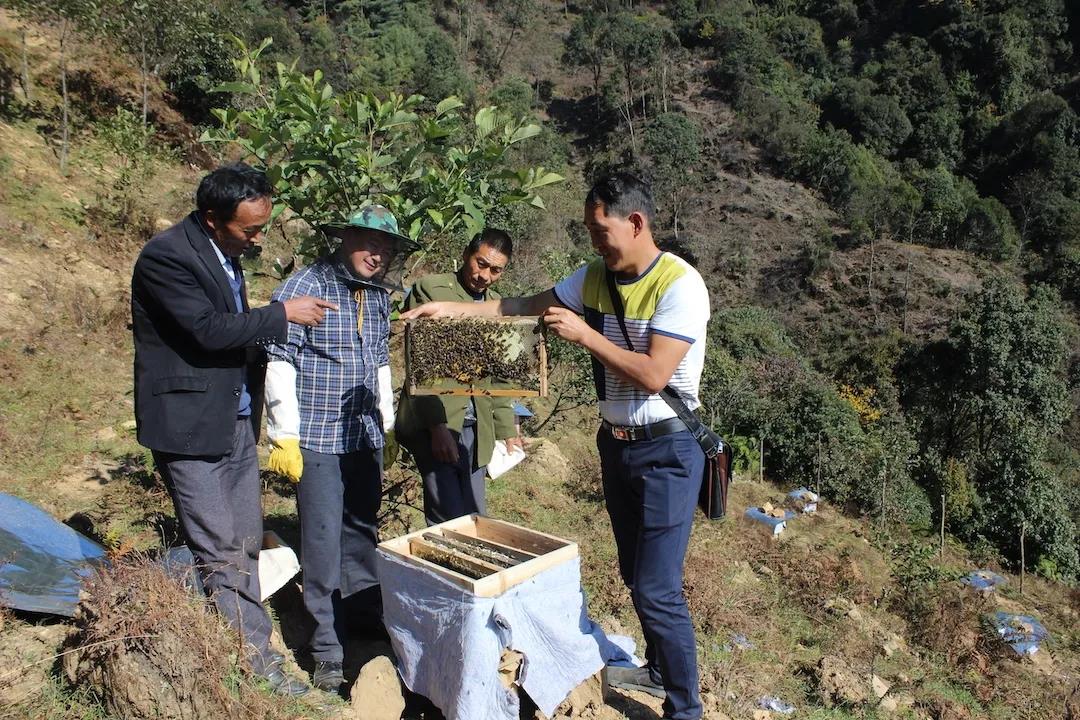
(283, 684)
(328, 676)
(638, 679)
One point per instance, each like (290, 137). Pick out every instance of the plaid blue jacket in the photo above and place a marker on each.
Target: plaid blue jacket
(337, 362)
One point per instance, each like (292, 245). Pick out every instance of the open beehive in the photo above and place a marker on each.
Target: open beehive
(498, 357)
(482, 555)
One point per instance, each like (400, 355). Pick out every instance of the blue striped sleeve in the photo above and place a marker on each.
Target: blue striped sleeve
(673, 335)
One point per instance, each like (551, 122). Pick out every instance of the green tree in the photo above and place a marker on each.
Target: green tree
(516, 15)
(992, 396)
(441, 74)
(176, 40)
(636, 44)
(132, 145)
(912, 72)
(873, 119)
(1032, 162)
(329, 153)
(673, 145)
(72, 18)
(587, 46)
(866, 189)
(988, 230)
(946, 200)
(798, 39)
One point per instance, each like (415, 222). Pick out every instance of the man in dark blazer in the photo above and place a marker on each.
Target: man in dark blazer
(198, 388)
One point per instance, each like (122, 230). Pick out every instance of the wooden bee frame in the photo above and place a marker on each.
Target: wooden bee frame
(483, 555)
(527, 325)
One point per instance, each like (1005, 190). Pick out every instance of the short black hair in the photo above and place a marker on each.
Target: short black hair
(228, 186)
(498, 240)
(621, 194)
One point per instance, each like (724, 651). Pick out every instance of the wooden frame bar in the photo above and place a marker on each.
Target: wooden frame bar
(531, 552)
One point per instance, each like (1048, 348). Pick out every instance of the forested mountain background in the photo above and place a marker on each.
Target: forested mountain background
(884, 198)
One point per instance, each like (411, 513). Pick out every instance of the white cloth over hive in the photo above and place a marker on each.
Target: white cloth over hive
(449, 642)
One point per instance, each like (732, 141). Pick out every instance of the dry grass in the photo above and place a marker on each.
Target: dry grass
(150, 648)
(953, 627)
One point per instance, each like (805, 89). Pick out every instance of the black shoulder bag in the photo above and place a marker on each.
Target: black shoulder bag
(712, 498)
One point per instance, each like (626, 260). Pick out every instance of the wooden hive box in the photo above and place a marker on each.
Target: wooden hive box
(482, 555)
(496, 357)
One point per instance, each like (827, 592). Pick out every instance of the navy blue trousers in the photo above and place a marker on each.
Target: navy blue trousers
(651, 489)
(338, 502)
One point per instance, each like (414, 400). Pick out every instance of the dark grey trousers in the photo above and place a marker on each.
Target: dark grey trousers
(452, 489)
(218, 503)
(338, 502)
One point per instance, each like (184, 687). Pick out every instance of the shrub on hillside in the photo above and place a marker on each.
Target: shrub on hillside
(798, 39)
(870, 192)
(756, 384)
(944, 209)
(991, 396)
(673, 146)
(873, 119)
(989, 231)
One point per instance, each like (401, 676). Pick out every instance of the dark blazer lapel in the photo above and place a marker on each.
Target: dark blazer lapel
(201, 243)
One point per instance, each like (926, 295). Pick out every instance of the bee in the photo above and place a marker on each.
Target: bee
(470, 350)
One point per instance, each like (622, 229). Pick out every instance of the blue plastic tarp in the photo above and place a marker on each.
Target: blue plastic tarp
(738, 642)
(775, 704)
(42, 561)
(776, 524)
(984, 580)
(804, 500)
(1023, 633)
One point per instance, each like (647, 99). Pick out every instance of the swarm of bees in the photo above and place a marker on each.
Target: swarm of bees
(470, 350)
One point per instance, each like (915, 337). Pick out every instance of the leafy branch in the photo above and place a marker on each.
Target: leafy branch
(439, 171)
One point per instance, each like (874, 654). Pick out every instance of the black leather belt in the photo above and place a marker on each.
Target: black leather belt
(636, 433)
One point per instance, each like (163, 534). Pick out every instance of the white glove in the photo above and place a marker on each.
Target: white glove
(386, 398)
(283, 420)
(282, 407)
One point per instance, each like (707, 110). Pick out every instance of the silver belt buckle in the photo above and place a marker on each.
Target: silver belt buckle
(620, 433)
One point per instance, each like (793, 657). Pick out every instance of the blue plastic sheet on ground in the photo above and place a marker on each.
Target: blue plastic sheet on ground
(984, 580)
(776, 524)
(775, 704)
(42, 561)
(804, 500)
(1023, 633)
(738, 642)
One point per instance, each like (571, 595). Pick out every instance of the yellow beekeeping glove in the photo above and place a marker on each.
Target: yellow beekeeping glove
(286, 459)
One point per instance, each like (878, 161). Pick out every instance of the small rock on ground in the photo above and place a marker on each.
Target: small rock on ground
(377, 693)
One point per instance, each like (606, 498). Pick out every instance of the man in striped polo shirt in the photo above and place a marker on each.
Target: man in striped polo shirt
(651, 465)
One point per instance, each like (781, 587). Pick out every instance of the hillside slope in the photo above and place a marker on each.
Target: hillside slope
(813, 616)
(836, 601)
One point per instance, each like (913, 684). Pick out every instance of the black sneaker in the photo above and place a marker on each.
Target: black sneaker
(283, 684)
(328, 675)
(638, 679)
